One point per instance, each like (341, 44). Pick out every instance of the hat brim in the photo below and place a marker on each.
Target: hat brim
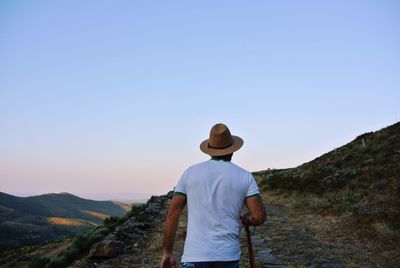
(236, 145)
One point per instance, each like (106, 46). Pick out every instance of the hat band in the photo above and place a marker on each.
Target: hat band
(224, 147)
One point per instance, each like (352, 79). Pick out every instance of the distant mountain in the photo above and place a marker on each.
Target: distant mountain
(124, 197)
(35, 219)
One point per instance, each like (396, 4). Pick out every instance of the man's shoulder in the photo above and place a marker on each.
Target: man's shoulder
(198, 165)
(211, 164)
(240, 169)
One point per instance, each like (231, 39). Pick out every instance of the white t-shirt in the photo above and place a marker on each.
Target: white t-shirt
(216, 191)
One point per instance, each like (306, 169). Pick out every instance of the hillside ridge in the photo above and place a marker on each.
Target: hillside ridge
(35, 219)
(360, 177)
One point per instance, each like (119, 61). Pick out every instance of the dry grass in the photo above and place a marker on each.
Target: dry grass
(375, 244)
(384, 230)
(52, 250)
(96, 214)
(124, 206)
(65, 221)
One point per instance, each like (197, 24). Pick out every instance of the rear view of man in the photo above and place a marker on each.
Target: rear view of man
(215, 191)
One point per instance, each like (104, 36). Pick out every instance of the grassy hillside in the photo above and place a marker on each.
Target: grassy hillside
(71, 206)
(360, 179)
(35, 219)
(63, 252)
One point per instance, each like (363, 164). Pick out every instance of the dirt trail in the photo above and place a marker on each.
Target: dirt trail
(290, 237)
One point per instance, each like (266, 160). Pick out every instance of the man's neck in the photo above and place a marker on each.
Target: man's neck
(225, 158)
(218, 159)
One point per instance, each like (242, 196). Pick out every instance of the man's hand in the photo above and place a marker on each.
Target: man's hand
(168, 261)
(245, 218)
(256, 211)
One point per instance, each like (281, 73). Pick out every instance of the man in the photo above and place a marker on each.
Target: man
(215, 191)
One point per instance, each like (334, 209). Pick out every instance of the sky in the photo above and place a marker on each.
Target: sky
(116, 96)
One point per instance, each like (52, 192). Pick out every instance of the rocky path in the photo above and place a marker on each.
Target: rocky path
(293, 238)
(290, 237)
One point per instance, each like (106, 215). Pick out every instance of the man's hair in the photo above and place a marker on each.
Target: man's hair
(226, 157)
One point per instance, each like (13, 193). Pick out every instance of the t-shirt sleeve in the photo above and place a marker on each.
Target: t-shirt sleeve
(180, 188)
(253, 188)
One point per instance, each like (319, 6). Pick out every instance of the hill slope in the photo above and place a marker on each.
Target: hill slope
(361, 178)
(31, 220)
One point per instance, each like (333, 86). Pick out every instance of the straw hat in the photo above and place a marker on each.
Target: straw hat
(221, 142)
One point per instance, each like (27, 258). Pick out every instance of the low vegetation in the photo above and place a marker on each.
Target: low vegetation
(34, 220)
(361, 178)
(82, 243)
(79, 246)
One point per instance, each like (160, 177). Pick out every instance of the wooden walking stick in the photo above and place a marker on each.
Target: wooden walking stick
(250, 247)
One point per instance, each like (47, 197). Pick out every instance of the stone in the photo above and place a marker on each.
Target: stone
(296, 258)
(106, 249)
(104, 265)
(83, 263)
(331, 265)
(154, 207)
(170, 194)
(335, 180)
(366, 211)
(130, 236)
(132, 250)
(266, 257)
(257, 241)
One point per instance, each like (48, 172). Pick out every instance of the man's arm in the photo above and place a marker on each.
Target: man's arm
(256, 215)
(177, 204)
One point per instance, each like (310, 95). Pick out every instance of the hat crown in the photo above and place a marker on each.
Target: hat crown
(220, 137)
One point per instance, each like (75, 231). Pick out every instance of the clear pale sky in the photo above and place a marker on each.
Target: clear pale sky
(116, 96)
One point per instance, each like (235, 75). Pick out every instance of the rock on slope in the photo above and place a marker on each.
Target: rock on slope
(135, 243)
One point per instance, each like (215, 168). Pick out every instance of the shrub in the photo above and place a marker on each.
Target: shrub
(59, 262)
(80, 243)
(96, 236)
(381, 185)
(309, 181)
(111, 220)
(38, 262)
(397, 192)
(280, 180)
(72, 253)
(136, 209)
(385, 230)
(350, 199)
